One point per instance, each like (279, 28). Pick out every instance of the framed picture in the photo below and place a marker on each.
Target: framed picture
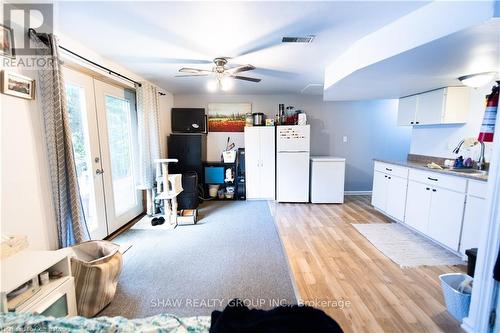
(6, 42)
(227, 117)
(18, 85)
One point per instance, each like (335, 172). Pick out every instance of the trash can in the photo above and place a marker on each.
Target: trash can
(457, 302)
(471, 261)
(96, 267)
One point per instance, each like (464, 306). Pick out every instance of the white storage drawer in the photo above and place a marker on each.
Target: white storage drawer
(477, 188)
(391, 169)
(437, 179)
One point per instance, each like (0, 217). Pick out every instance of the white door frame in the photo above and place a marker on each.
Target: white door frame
(87, 83)
(103, 89)
(483, 295)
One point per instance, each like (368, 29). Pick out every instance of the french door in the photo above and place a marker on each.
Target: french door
(104, 131)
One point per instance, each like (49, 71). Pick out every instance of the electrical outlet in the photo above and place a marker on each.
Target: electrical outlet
(344, 138)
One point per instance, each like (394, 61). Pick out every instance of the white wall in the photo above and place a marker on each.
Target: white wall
(26, 207)
(440, 140)
(370, 127)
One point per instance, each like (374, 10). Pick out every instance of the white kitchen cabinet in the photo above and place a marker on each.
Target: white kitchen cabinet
(389, 189)
(430, 107)
(396, 197)
(379, 190)
(435, 206)
(260, 162)
(474, 216)
(407, 110)
(418, 202)
(448, 105)
(445, 218)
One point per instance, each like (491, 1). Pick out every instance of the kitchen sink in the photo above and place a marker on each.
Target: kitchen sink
(470, 171)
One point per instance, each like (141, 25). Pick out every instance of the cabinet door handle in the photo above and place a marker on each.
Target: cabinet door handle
(427, 188)
(434, 190)
(411, 122)
(433, 179)
(388, 169)
(385, 176)
(389, 177)
(417, 122)
(99, 171)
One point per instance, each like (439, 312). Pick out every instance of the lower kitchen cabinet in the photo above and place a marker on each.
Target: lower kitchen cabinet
(418, 203)
(474, 216)
(389, 194)
(379, 191)
(436, 212)
(448, 209)
(445, 218)
(396, 197)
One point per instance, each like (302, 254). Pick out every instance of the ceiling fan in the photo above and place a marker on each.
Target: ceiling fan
(221, 72)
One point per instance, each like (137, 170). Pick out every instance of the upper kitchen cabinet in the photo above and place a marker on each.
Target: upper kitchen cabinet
(448, 105)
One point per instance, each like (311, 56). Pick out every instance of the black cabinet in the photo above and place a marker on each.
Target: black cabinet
(190, 150)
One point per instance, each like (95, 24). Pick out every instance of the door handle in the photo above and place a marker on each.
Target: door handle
(433, 179)
(388, 169)
(99, 171)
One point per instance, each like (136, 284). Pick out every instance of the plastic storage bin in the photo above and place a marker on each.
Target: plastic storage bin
(457, 302)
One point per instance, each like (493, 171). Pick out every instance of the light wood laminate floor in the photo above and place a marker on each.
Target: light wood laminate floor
(331, 261)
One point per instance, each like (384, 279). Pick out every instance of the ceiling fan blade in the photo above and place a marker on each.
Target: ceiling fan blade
(190, 75)
(194, 70)
(246, 78)
(240, 69)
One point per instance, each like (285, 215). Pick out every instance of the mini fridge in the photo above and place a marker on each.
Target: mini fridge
(327, 179)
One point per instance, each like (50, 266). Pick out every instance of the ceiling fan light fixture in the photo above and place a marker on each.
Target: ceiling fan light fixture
(226, 84)
(477, 80)
(212, 85)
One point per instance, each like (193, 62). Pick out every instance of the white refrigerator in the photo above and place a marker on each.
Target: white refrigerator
(292, 163)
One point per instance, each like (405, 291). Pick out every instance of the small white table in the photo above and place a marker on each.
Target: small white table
(25, 266)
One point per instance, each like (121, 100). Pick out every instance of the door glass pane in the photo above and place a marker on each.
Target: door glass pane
(120, 147)
(81, 146)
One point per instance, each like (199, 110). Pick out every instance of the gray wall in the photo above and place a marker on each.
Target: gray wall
(370, 127)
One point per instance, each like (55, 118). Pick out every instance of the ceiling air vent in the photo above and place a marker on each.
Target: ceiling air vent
(307, 39)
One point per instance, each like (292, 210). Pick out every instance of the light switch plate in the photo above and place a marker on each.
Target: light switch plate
(344, 138)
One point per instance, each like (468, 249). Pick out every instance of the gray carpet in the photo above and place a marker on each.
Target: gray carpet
(233, 251)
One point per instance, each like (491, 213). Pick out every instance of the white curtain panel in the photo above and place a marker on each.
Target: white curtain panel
(148, 110)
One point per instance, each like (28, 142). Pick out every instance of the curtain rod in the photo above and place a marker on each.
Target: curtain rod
(110, 71)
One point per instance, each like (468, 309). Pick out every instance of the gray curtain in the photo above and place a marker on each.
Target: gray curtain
(70, 218)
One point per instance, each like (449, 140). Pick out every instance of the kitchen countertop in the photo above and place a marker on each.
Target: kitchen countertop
(423, 166)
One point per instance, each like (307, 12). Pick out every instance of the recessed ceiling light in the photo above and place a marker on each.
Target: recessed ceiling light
(306, 39)
(477, 80)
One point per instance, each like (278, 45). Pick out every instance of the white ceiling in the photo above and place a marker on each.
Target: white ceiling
(433, 65)
(155, 39)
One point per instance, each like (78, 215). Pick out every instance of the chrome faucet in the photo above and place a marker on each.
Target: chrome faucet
(481, 164)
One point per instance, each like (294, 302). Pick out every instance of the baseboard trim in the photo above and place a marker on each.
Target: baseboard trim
(358, 192)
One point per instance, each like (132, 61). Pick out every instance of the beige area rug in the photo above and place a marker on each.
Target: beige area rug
(405, 247)
(145, 224)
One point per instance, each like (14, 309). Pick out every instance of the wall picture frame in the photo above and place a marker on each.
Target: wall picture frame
(7, 42)
(18, 85)
(227, 117)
